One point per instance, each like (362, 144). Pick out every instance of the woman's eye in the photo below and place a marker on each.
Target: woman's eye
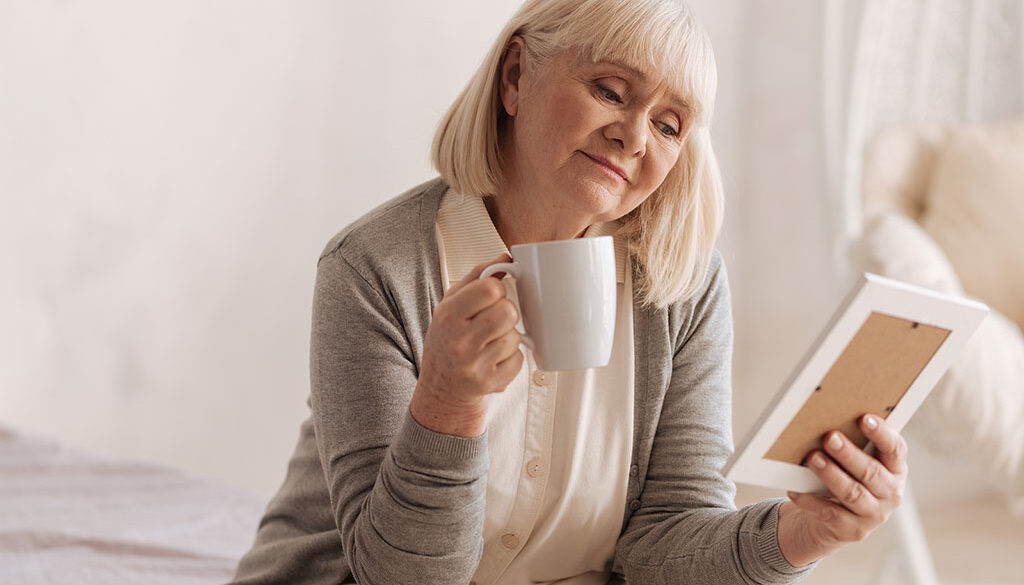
(608, 94)
(667, 129)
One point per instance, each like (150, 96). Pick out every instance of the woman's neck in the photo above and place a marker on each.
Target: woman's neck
(521, 217)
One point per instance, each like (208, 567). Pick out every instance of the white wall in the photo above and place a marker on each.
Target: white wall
(788, 287)
(169, 173)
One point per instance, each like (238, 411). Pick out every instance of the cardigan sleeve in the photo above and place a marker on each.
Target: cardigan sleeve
(408, 502)
(687, 529)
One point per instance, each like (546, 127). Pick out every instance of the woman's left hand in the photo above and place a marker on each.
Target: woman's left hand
(865, 491)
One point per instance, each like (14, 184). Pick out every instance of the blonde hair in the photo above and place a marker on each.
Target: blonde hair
(671, 234)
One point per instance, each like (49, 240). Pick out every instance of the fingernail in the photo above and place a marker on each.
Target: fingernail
(834, 442)
(818, 460)
(871, 422)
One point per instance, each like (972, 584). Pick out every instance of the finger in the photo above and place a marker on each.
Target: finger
(861, 466)
(890, 447)
(851, 493)
(475, 273)
(501, 348)
(840, 524)
(474, 297)
(507, 369)
(492, 322)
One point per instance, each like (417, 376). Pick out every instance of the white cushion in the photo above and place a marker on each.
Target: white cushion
(897, 167)
(975, 212)
(976, 411)
(894, 246)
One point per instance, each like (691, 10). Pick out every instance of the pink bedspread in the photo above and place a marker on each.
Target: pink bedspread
(68, 517)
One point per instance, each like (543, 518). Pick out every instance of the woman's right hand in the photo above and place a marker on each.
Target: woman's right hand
(471, 350)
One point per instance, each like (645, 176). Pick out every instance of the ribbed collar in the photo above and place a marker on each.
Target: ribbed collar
(470, 237)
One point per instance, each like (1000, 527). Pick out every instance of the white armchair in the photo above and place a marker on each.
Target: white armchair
(944, 209)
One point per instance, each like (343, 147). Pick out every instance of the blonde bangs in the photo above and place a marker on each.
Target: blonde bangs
(650, 36)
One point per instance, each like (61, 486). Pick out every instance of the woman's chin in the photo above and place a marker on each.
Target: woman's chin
(593, 197)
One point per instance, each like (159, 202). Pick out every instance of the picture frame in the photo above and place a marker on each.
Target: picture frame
(882, 352)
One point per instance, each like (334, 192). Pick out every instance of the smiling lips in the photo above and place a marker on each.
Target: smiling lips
(609, 164)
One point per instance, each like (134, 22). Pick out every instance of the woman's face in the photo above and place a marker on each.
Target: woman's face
(596, 139)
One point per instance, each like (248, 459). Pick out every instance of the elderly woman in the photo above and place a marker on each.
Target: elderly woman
(437, 452)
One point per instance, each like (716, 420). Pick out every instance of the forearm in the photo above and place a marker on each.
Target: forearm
(710, 546)
(422, 521)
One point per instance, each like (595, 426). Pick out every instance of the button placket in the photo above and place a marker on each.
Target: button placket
(533, 483)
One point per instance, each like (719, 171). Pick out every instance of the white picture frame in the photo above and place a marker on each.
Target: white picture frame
(884, 335)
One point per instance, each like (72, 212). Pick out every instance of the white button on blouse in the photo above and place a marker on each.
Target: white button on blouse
(509, 540)
(542, 378)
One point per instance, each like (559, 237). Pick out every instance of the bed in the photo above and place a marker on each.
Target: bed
(73, 517)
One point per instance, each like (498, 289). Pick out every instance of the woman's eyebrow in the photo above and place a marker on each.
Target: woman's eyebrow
(628, 69)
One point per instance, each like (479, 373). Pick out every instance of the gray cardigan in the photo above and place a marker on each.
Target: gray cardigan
(373, 497)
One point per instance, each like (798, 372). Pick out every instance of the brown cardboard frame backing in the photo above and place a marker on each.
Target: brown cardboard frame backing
(871, 375)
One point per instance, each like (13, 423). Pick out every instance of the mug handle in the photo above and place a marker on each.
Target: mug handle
(509, 268)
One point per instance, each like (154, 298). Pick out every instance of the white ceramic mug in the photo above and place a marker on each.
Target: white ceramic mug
(566, 291)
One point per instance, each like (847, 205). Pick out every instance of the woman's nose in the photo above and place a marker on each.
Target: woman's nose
(630, 133)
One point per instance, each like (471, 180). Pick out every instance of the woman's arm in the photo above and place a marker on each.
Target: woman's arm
(687, 528)
(408, 501)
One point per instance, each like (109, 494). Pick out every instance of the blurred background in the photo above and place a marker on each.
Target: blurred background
(170, 171)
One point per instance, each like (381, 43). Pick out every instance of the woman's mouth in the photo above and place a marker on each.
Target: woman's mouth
(607, 165)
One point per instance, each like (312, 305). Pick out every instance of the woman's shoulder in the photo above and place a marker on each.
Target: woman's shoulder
(715, 285)
(404, 220)
(711, 304)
